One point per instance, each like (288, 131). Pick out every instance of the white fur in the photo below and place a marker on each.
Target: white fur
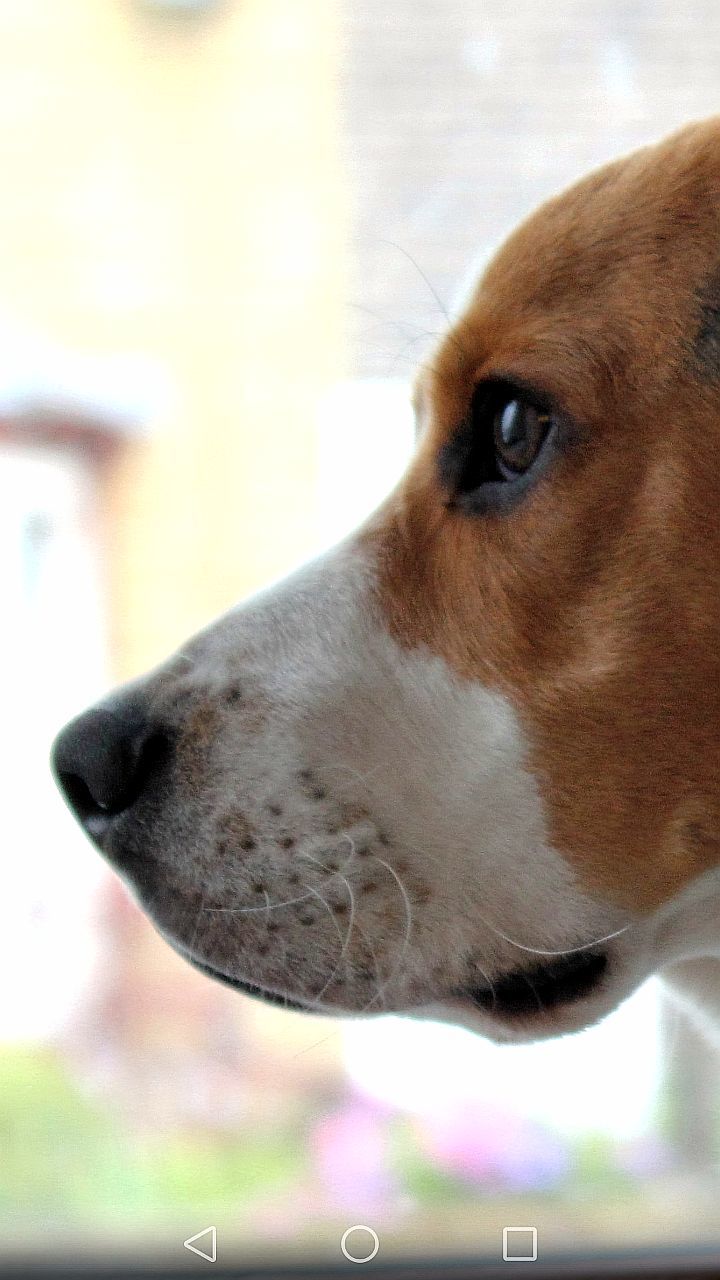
(466, 881)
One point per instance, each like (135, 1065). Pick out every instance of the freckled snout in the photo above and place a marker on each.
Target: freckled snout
(312, 814)
(247, 839)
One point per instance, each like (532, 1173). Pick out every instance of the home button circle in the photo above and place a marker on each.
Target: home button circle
(359, 1244)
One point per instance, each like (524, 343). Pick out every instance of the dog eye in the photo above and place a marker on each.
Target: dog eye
(497, 451)
(519, 431)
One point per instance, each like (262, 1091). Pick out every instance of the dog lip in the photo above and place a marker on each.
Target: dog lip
(247, 988)
(561, 980)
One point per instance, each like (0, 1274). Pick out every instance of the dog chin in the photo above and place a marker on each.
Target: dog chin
(528, 1004)
(543, 1025)
(540, 1002)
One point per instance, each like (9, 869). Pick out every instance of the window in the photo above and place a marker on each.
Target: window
(279, 210)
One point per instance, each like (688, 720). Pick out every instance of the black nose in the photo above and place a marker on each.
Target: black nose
(103, 759)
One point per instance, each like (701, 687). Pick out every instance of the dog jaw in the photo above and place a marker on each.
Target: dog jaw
(354, 830)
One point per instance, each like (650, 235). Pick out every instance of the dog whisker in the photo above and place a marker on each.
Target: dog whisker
(284, 902)
(544, 951)
(346, 943)
(372, 951)
(332, 1035)
(390, 322)
(198, 917)
(408, 930)
(426, 856)
(488, 980)
(266, 907)
(431, 288)
(355, 774)
(316, 894)
(308, 857)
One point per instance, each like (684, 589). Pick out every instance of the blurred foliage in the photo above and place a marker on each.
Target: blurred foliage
(594, 1169)
(596, 1165)
(68, 1158)
(62, 1154)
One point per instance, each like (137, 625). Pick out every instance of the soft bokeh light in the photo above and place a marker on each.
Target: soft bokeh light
(604, 1079)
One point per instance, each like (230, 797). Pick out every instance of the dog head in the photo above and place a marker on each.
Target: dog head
(465, 765)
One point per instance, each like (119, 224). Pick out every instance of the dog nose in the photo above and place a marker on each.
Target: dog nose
(103, 758)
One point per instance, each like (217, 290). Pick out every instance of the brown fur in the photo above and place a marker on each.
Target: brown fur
(595, 604)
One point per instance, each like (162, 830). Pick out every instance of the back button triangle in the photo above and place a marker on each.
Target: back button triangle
(209, 1234)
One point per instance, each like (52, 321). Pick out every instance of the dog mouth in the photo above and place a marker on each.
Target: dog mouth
(520, 993)
(248, 988)
(527, 991)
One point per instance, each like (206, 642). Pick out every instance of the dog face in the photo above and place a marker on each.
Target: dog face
(465, 765)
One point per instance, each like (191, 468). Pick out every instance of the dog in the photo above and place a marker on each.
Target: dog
(467, 765)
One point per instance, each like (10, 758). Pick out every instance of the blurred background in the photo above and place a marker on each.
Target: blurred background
(228, 231)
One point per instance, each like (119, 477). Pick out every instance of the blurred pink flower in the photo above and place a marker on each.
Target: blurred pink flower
(350, 1153)
(482, 1145)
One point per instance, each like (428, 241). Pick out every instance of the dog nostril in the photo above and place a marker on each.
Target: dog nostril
(103, 759)
(77, 792)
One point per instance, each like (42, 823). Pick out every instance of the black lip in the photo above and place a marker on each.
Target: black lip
(248, 988)
(545, 986)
